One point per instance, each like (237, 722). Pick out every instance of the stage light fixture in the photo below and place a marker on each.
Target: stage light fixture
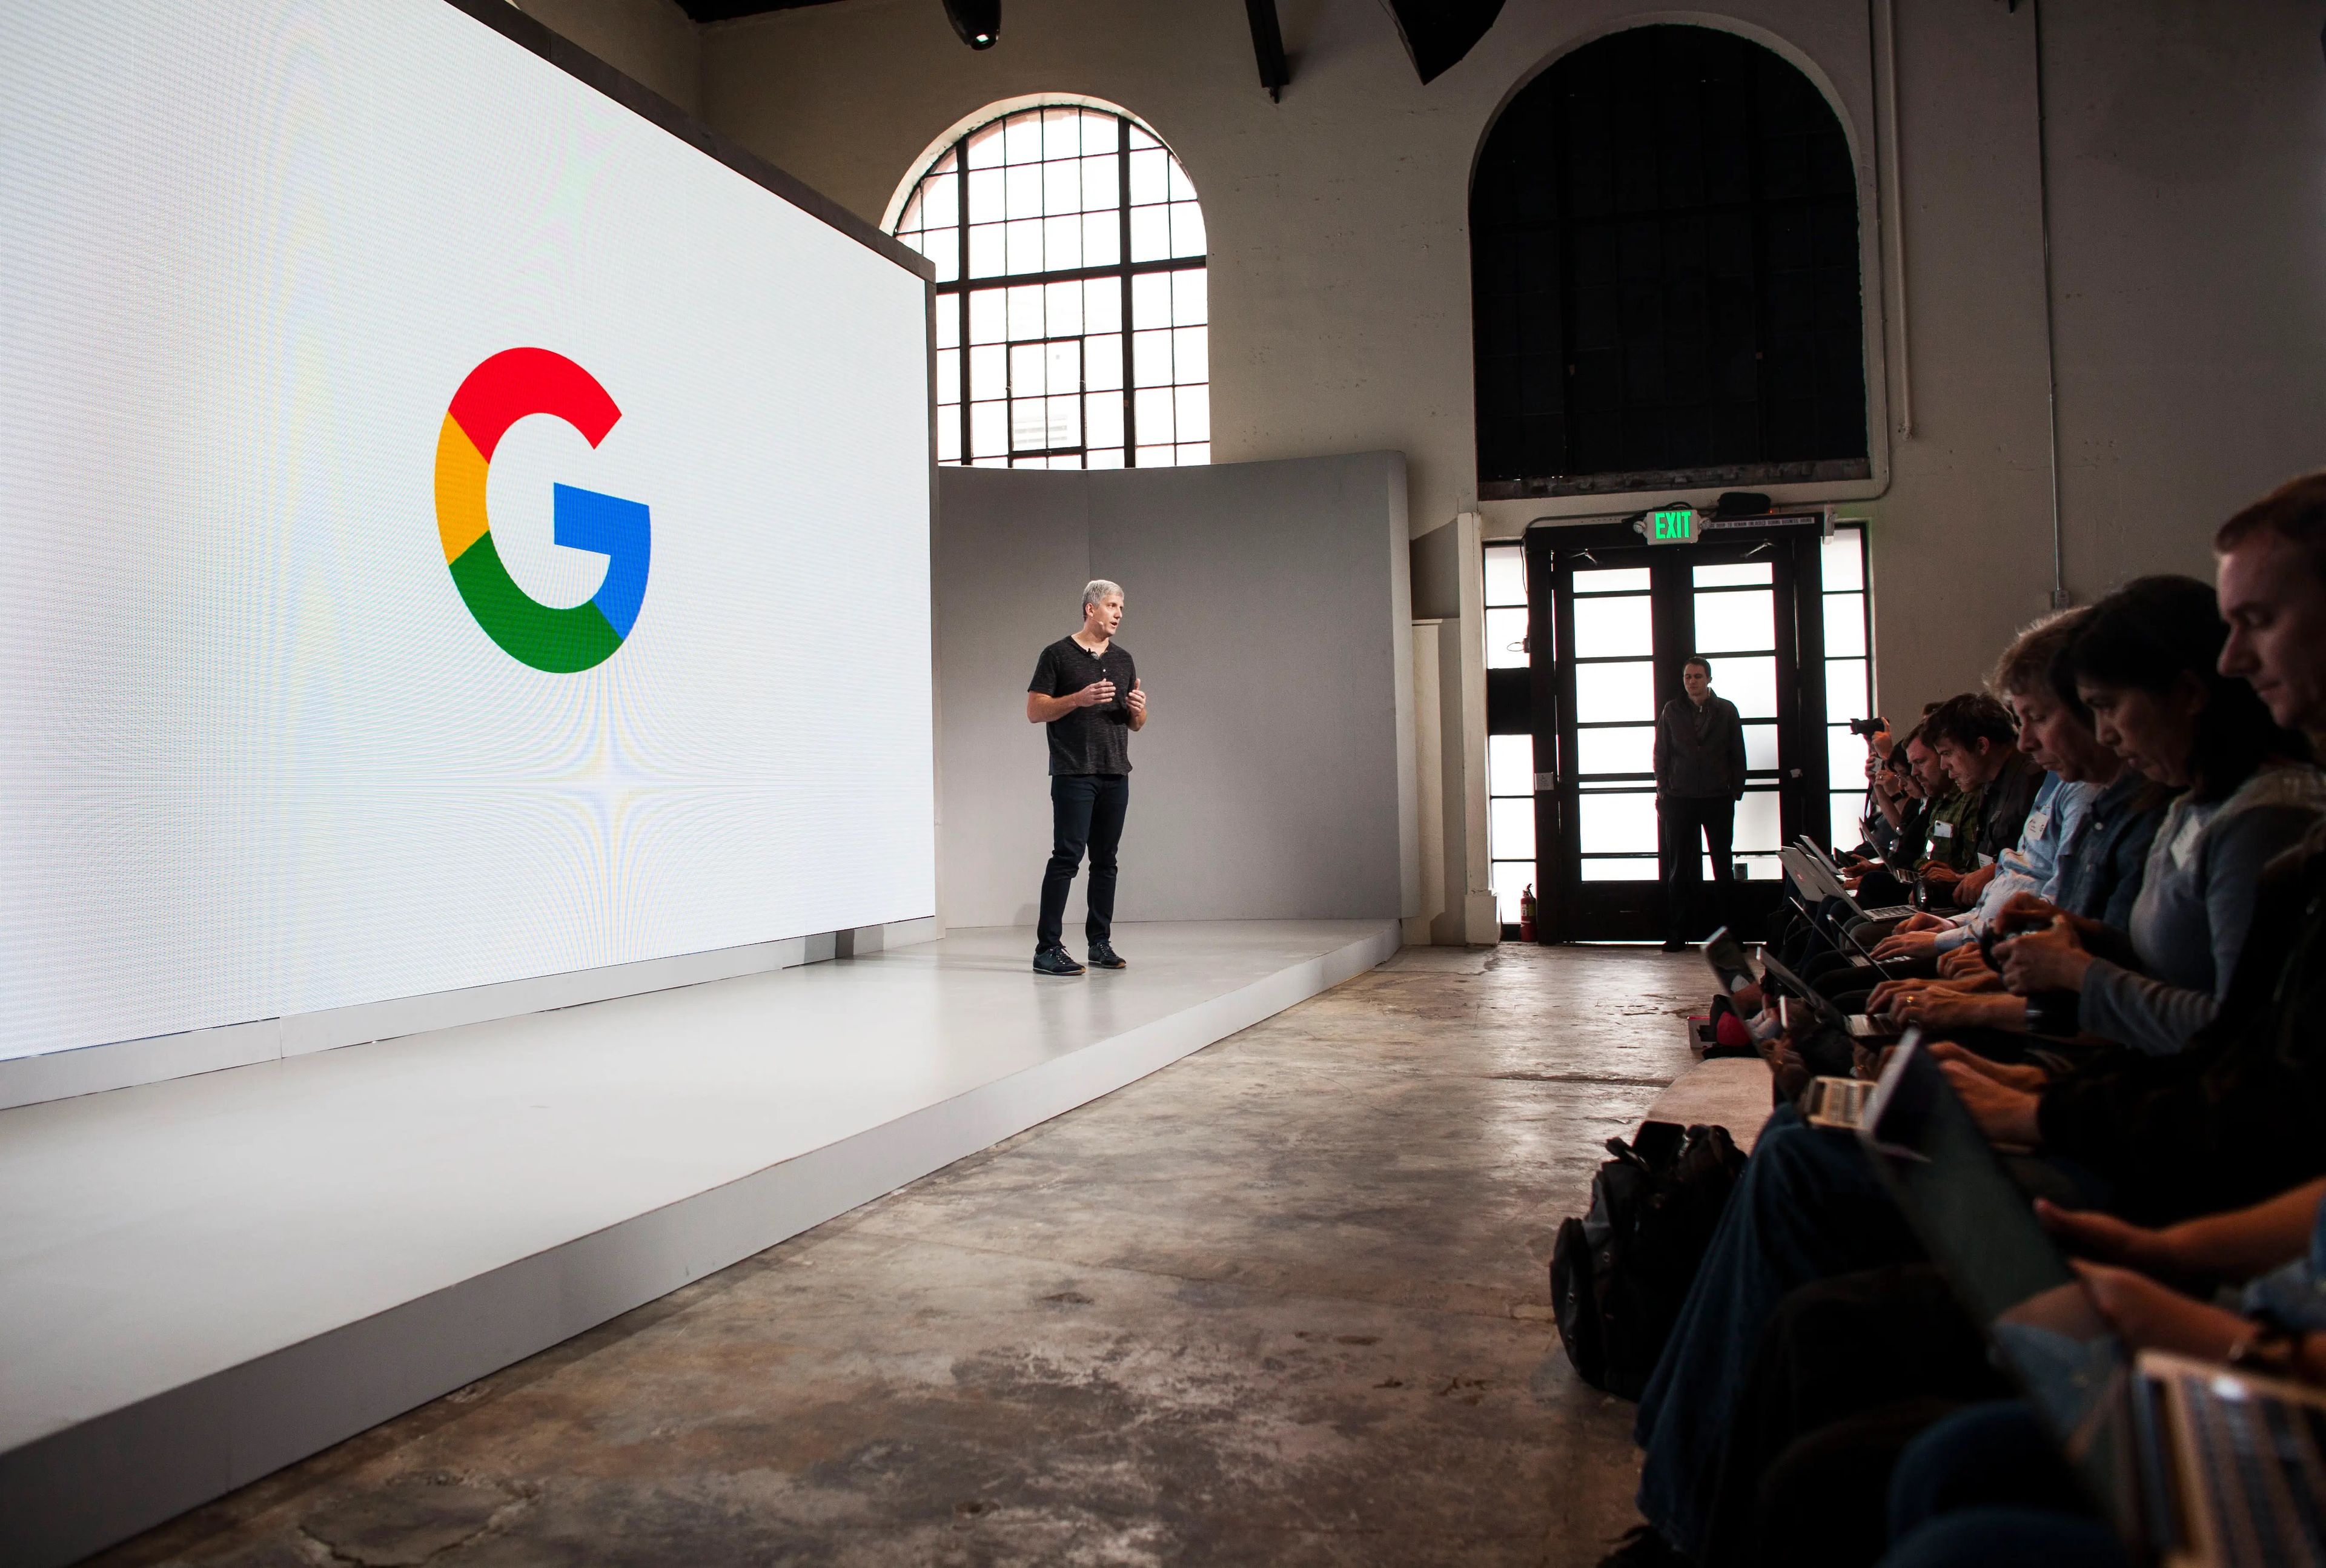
(979, 22)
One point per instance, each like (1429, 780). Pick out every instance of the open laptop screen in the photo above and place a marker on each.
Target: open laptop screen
(1980, 1228)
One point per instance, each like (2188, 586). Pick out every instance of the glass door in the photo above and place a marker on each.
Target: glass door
(1624, 618)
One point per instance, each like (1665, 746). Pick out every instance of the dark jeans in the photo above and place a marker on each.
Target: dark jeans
(1683, 820)
(1085, 810)
(1988, 1489)
(1849, 1370)
(1809, 1206)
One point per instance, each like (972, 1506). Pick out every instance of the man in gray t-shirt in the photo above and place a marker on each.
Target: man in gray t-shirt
(1086, 688)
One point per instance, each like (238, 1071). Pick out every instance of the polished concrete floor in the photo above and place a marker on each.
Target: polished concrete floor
(1282, 1302)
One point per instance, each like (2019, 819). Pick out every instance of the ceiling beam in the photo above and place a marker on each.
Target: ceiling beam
(1268, 48)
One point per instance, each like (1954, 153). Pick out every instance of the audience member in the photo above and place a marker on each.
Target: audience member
(2224, 1120)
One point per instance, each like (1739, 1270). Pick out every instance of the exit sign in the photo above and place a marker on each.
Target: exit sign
(1674, 526)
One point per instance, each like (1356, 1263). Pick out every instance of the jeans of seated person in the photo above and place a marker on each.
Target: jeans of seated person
(1988, 1484)
(2009, 1538)
(1827, 1052)
(1821, 1502)
(1807, 1207)
(1837, 1351)
(1880, 890)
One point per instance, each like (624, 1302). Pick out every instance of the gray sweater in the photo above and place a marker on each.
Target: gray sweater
(1689, 766)
(2195, 908)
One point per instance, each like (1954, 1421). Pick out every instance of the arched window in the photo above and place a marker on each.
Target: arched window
(1664, 250)
(1054, 228)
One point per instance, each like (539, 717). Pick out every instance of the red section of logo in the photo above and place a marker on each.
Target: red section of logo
(517, 382)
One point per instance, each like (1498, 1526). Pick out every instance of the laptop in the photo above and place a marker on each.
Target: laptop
(1856, 1026)
(1815, 853)
(2192, 1462)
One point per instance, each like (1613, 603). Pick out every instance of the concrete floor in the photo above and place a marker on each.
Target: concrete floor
(1282, 1302)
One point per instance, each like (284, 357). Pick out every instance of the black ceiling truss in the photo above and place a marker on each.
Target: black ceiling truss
(1268, 48)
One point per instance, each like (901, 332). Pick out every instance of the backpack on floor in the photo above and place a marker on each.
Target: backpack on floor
(1619, 1275)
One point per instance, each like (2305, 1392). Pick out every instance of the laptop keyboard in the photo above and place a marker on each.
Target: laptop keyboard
(2263, 1475)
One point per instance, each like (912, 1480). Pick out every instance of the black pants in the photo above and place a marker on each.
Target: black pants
(1684, 820)
(1085, 810)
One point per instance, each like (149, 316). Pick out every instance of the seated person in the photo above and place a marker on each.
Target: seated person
(2022, 680)
(1977, 746)
(2144, 666)
(2228, 1120)
(2100, 861)
(1989, 1485)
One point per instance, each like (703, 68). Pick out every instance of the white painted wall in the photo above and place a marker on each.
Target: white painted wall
(2186, 148)
(649, 40)
(1267, 607)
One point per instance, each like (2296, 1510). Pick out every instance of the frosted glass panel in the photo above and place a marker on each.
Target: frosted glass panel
(1615, 693)
(1510, 828)
(1614, 824)
(1844, 754)
(1628, 751)
(1735, 620)
(1614, 628)
(1750, 683)
(1510, 764)
(1506, 632)
(1845, 691)
(1509, 878)
(1622, 579)
(1847, 832)
(1760, 747)
(1844, 625)
(1756, 823)
(1506, 576)
(1748, 571)
(1610, 870)
(1842, 559)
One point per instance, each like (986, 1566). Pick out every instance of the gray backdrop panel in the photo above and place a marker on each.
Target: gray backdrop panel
(1266, 603)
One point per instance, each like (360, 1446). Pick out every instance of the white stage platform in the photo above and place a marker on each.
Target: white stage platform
(208, 1278)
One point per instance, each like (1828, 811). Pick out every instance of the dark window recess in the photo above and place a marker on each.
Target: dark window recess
(1665, 267)
(1510, 702)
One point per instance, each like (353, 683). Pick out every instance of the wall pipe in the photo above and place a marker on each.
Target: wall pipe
(2061, 599)
(1887, 65)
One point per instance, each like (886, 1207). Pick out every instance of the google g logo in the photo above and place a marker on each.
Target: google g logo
(504, 389)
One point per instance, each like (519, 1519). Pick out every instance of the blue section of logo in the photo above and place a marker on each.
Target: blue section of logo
(618, 530)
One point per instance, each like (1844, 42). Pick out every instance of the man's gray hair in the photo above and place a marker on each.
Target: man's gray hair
(1097, 589)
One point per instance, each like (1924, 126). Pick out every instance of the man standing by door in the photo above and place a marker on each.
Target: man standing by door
(1086, 689)
(1699, 778)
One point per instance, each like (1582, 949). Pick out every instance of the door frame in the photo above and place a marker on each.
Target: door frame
(1565, 912)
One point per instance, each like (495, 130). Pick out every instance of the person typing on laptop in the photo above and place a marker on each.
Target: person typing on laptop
(2227, 1121)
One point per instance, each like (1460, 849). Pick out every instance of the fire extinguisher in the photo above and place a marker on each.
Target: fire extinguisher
(1526, 913)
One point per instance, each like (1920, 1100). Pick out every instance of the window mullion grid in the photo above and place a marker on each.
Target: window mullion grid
(1130, 362)
(961, 291)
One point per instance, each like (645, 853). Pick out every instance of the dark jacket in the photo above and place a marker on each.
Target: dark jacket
(1711, 767)
(2102, 868)
(2005, 803)
(2233, 1117)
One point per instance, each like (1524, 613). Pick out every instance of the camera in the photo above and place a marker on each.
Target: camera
(1868, 728)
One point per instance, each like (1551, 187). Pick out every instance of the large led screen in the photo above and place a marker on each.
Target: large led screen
(454, 530)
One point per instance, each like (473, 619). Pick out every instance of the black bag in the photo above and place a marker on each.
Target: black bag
(1619, 1275)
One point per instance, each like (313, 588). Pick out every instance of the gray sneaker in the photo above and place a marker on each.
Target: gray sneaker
(1053, 960)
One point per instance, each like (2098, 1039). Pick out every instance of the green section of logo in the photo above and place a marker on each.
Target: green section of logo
(559, 641)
